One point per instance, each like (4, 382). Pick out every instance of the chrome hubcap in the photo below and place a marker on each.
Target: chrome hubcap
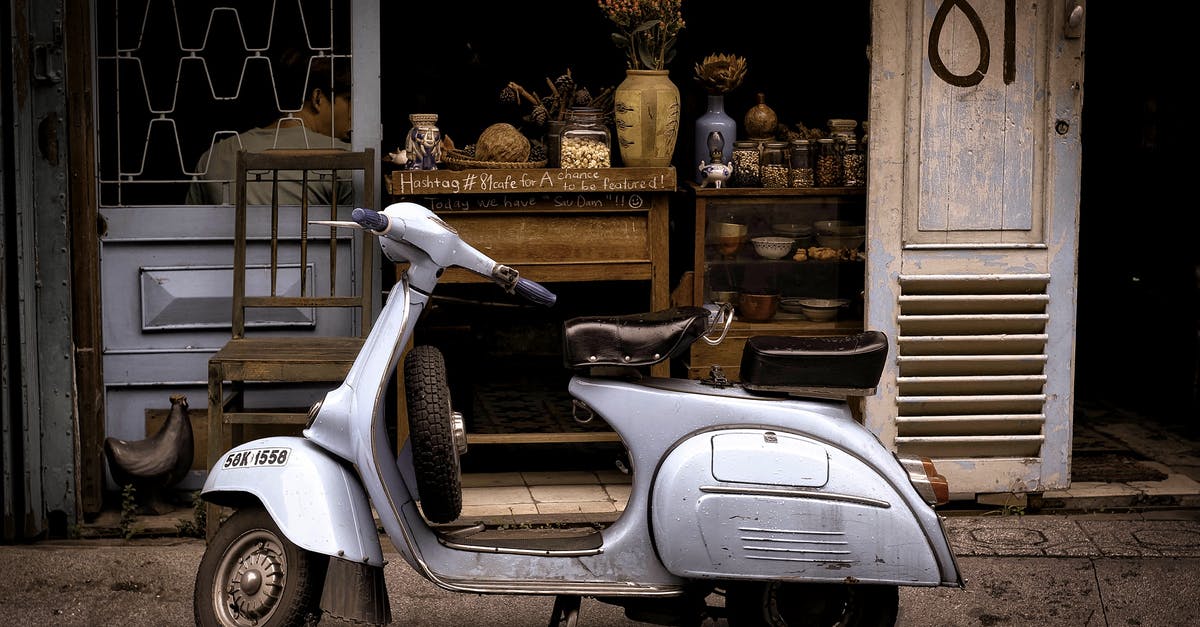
(458, 428)
(251, 579)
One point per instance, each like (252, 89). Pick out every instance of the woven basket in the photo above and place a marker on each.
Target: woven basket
(459, 160)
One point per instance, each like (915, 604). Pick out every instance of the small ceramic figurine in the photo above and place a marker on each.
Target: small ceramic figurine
(715, 172)
(423, 144)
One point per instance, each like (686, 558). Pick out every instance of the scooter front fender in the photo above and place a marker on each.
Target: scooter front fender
(317, 501)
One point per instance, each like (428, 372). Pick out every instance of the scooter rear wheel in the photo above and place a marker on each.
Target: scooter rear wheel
(435, 455)
(252, 575)
(811, 604)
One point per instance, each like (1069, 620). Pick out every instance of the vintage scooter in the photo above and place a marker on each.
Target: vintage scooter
(763, 502)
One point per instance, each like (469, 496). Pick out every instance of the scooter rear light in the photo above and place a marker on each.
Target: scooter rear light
(925, 478)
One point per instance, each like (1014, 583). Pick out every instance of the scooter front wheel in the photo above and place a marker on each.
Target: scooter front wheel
(435, 454)
(775, 603)
(252, 575)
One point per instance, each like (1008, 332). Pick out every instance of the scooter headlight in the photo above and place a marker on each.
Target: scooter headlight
(925, 478)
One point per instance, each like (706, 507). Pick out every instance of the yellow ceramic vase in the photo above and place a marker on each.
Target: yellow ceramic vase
(646, 112)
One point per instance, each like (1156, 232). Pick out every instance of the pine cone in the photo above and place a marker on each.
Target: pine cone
(565, 84)
(537, 151)
(539, 115)
(508, 95)
(583, 97)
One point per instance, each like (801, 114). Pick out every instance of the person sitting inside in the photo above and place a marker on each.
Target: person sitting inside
(322, 122)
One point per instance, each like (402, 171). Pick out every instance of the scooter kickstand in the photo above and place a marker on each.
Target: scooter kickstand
(566, 611)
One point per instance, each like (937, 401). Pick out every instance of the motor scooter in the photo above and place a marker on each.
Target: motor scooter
(765, 494)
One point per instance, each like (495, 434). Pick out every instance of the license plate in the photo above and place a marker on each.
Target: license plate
(258, 457)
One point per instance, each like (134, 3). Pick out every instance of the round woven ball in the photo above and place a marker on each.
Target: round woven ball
(502, 142)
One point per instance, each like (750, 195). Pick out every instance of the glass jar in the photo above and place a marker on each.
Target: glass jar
(801, 172)
(829, 163)
(554, 129)
(585, 142)
(745, 159)
(774, 165)
(423, 144)
(838, 126)
(854, 164)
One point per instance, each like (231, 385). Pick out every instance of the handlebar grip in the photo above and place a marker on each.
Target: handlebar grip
(370, 219)
(535, 292)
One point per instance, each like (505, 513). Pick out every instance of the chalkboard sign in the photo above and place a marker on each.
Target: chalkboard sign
(530, 181)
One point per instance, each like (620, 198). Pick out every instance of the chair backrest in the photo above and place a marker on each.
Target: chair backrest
(279, 259)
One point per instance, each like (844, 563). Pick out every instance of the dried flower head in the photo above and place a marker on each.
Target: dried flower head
(721, 73)
(646, 30)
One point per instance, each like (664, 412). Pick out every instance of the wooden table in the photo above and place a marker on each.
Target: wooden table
(555, 225)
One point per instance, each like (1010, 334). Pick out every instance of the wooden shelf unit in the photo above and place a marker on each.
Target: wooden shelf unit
(759, 207)
(554, 225)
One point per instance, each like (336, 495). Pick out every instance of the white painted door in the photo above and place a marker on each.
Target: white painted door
(973, 200)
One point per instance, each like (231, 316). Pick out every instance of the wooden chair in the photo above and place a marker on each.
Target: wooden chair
(281, 291)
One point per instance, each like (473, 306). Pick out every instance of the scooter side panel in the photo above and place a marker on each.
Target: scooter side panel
(851, 525)
(654, 416)
(317, 502)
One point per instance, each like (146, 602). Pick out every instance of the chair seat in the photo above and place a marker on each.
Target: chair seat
(286, 359)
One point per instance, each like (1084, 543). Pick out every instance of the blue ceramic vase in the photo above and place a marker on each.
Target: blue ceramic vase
(714, 119)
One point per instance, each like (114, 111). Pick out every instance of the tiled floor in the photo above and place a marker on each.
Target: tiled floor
(492, 497)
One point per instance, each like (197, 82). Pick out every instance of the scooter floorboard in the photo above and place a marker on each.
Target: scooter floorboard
(550, 540)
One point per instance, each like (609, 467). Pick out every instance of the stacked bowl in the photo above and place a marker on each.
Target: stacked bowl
(840, 234)
(772, 247)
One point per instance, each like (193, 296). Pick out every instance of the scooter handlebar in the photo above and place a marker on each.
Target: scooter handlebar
(370, 219)
(535, 292)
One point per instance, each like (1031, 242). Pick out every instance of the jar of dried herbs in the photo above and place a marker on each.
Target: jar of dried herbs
(746, 164)
(801, 156)
(774, 165)
(854, 164)
(829, 163)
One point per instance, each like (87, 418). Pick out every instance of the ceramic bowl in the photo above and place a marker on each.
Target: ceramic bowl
(792, 229)
(758, 307)
(790, 305)
(771, 247)
(838, 227)
(729, 229)
(829, 240)
(821, 309)
(725, 296)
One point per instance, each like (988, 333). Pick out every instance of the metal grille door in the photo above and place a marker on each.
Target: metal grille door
(173, 80)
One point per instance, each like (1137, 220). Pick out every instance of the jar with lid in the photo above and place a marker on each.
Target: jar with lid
(801, 172)
(774, 165)
(423, 144)
(843, 127)
(585, 141)
(745, 159)
(854, 164)
(829, 163)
